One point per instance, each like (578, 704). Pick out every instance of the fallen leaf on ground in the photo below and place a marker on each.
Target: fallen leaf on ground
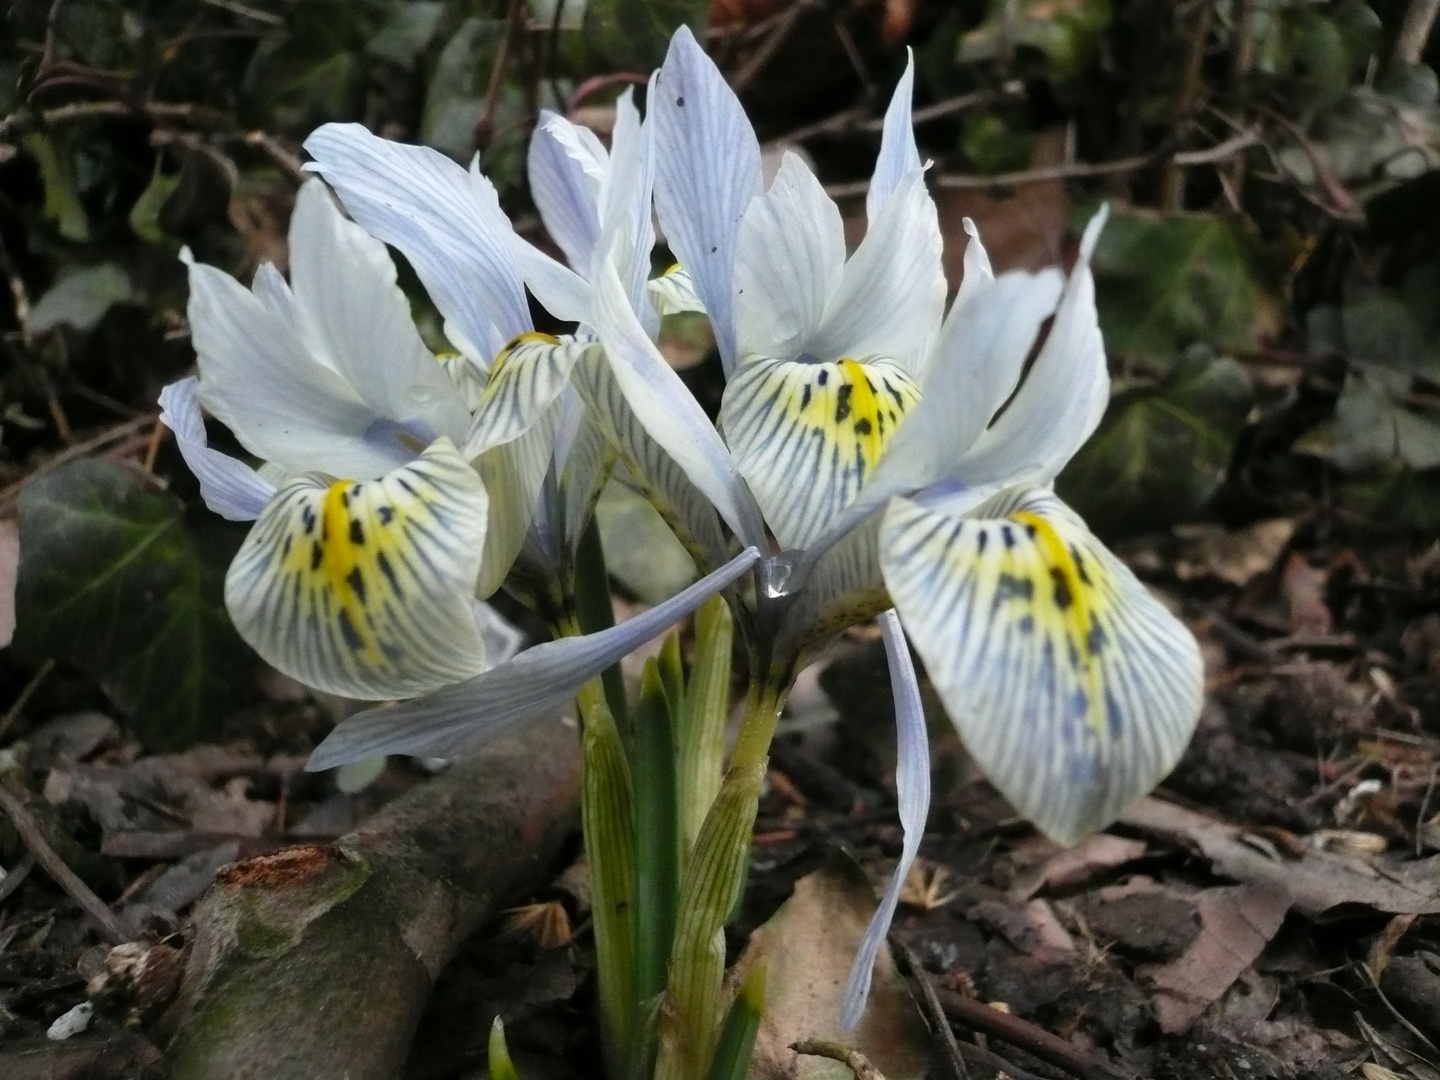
(1093, 856)
(1316, 881)
(808, 946)
(1303, 587)
(1234, 555)
(1236, 923)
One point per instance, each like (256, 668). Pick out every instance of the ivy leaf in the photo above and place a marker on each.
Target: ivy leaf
(1372, 426)
(81, 298)
(1162, 450)
(1165, 283)
(112, 581)
(634, 34)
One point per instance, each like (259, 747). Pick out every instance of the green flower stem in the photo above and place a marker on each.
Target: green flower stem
(702, 735)
(657, 858)
(690, 1018)
(762, 712)
(607, 813)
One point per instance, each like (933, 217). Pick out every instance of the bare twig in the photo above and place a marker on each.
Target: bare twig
(1002, 1066)
(1414, 32)
(858, 118)
(34, 839)
(246, 12)
(784, 23)
(853, 1060)
(1172, 186)
(1028, 1037)
(19, 295)
(199, 115)
(934, 1012)
(110, 435)
(596, 83)
(276, 152)
(25, 694)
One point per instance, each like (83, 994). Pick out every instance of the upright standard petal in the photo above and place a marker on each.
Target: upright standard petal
(912, 789)
(674, 292)
(443, 218)
(1063, 397)
(567, 168)
(351, 312)
(230, 488)
(806, 436)
(669, 413)
(892, 296)
(898, 155)
(365, 589)
(788, 262)
(708, 170)
(258, 378)
(627, 220)
(537, 682)
(1073, 687)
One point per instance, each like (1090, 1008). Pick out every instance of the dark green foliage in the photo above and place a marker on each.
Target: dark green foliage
(113, 581)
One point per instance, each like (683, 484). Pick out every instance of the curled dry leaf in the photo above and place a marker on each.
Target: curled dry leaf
(808, 946)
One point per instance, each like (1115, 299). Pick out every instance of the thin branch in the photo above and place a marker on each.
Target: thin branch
(1414, 32)
(34, 839)
(934, 1013)
(1029, 1037)
(852, 1059)
(784, 23)
(16, 876)
(1172, 185)
(110, 435)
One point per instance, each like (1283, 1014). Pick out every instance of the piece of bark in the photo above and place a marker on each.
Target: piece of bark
(316, 961)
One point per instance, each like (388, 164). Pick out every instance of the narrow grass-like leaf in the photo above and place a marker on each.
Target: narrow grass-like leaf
(742, 1023)
(702, 731)
(657, 855)
(690, 1020)
(607, 812)
(501, 1067)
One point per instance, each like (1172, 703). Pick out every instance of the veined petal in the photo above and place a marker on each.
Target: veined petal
(586, 466)
(685, 509)
(898, 155)
(526, 378)
(258, 378)
(567, 167)
(708, 170)
(788, 262)
(670, 414)
(1063, 397)
(514, 475)
(1073, 687)
(981, 352)
(365, 589)
(272, 290)
(674, 291)
(560, 290)
(468, 376)
(844, 589)
(351, 312)
(444, 219)
(912, 789)
(892, 296)
(537, 682)
(806, 436)
(627, 222)
(230, 488)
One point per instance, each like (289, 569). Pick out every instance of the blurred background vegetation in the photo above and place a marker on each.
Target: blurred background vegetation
(1269, 283)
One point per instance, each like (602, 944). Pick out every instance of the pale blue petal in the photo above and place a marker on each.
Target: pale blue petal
(898, 155)
(670, 413)
(535, 683)
(708, 170)
(627, 222)
(912, 787)
(789, 261)
(1072, 686)
(230, 488)
(892, 297)
(444, 219)
(566, 171)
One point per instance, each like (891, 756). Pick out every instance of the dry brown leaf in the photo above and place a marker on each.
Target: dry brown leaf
(1316, 881)
(1093, 856)
(1236, 923)
(1237, 556)
(808, 946)
(1303, 587)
